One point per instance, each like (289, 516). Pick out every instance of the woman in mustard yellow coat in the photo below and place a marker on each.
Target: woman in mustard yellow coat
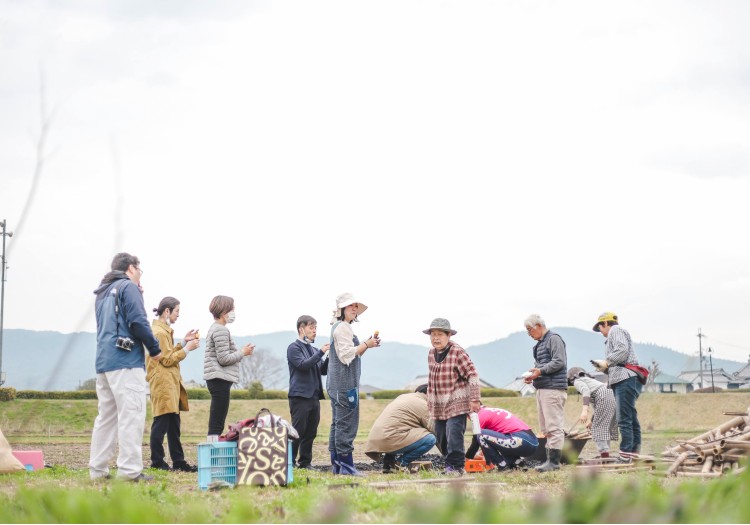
(168, 394)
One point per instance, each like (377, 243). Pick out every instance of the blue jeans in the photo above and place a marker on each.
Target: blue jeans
(626, 393)
(344, 424)
(414, 451)
(450, 439)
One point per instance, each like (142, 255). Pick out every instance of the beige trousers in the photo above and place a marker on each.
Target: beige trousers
(550, 404)
(122, 416)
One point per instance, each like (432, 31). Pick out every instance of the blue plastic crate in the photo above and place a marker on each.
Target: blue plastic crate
(217, 461)
(290, 465)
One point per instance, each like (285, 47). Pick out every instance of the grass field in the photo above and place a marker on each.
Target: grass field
(64, 493)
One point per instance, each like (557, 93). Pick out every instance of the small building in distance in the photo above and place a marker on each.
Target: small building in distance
(668, 384)
(367, 390)
(721, 379)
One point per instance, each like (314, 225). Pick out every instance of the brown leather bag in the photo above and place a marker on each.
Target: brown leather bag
(262, 453)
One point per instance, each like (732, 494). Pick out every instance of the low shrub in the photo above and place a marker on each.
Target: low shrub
(238, 393)
(7, 394)
(258, 394)
(499, 392)
(198, 393)
(485, 392)
(42, 394)
(388, 394)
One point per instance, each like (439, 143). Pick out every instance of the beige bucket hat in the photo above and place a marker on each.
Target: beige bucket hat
(344, 300)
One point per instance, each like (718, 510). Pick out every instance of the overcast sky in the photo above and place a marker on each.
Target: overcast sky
(479, 161)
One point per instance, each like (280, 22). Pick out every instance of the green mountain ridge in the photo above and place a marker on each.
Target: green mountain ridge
(42, 360)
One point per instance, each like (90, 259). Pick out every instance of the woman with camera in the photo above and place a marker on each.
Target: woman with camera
(221, 363)
(168, 394)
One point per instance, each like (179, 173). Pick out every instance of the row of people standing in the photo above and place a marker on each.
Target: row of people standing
(122, 334)
(453, 392)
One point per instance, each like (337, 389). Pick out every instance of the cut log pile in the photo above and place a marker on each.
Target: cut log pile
(583, 434)
(714, 453)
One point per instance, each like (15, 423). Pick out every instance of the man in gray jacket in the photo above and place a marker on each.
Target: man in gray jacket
(549, 377)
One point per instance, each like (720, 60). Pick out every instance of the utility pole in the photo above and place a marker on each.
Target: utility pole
(700, 354)
(2, 299)
(711, 363)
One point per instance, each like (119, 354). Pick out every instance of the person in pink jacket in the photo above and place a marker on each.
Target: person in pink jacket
(505, 440)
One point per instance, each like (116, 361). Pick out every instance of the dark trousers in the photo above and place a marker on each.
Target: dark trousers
(305, 419)
(217, 417)
(450, 439)
(168, 424)
(500, 448)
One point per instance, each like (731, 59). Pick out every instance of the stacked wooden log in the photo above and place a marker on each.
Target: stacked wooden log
(582, 434)
(714, 453)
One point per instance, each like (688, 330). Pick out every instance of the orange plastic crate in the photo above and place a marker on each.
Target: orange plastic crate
(476, 465)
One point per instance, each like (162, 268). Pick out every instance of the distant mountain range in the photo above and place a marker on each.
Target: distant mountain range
(35, 360)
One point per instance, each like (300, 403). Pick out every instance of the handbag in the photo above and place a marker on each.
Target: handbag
(640, 372)
(262, 453)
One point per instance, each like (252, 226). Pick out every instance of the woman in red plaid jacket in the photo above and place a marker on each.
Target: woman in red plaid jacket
(452, 393)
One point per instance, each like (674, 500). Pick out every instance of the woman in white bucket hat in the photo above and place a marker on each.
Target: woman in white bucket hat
(342, 382)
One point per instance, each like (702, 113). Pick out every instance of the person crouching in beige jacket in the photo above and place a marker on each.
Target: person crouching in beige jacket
(403, 432)
(168, 394)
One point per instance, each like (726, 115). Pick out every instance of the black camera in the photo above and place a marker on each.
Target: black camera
(125, 343)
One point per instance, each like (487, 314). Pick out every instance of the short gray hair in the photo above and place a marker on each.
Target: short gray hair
(533, 320)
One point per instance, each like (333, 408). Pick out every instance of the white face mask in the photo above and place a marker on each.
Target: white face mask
(230, 317)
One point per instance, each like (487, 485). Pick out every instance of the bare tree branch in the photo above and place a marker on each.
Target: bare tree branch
(262, 367)
(41, 156)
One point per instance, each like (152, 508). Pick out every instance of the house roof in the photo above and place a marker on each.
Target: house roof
(744, 372)
(368, 389)
(719, 374)
(666, 379)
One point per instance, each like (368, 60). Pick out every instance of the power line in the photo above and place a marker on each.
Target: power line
(726, 344)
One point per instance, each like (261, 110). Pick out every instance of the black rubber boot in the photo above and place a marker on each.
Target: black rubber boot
(553, 461)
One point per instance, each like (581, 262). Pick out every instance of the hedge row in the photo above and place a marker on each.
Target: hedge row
(41, 394)
(485, 392)
(236, 393)
(9, 394)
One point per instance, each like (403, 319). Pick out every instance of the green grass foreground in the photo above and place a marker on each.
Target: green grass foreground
(68, 497)
(64, 494)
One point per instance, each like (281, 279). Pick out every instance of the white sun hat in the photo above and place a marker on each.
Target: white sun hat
(344, 300)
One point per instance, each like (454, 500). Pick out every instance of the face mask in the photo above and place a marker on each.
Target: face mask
(230, 317)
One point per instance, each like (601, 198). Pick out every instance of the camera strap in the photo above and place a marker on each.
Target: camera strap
(118, 307)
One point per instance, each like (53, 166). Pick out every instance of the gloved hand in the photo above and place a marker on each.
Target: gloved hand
(600, 364)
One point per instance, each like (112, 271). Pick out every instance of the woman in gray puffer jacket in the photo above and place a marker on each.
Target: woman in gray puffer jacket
(221, 367)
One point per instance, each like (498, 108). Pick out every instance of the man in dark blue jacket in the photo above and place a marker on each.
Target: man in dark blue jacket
(122, 333)
(306, 366)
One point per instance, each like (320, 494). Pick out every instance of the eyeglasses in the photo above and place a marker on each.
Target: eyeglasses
(139, 269)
